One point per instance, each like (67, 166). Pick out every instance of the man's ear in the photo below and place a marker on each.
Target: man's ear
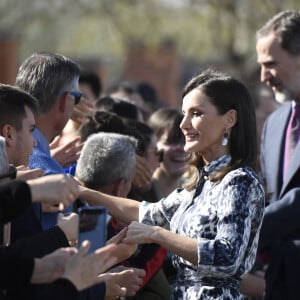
(62, 103)
(117, 187)
(9, 132)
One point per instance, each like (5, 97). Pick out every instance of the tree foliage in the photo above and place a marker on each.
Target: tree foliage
(203, 30)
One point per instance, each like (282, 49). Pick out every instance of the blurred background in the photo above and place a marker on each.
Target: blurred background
(163, 42)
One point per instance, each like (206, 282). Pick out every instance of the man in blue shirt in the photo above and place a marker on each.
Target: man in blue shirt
(53, 80)
(41, 158)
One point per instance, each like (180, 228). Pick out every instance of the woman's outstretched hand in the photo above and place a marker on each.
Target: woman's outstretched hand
(140, 233)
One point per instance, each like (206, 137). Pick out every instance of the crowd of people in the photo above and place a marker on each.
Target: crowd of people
(191, 212)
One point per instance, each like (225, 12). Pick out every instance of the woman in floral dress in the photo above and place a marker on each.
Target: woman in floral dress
(212, 225)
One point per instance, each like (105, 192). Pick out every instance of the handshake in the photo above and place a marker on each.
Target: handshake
(83, 269)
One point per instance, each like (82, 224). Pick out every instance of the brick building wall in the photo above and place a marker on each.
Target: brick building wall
(8, 58)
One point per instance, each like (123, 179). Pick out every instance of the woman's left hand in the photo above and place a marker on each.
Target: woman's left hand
(140, 233)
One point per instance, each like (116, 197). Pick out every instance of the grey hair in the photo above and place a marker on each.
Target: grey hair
(105, 158)
(286, 26)
(3, 156)
(47, 76)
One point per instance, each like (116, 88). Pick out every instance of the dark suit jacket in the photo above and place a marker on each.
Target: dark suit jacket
(16, 270)
(15, 198)
(280, 232)
(28, 241)
(14, 205)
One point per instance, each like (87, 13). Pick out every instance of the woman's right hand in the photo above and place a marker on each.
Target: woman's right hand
(122, 250)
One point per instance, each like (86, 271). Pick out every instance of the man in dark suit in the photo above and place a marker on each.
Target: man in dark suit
(278, 51)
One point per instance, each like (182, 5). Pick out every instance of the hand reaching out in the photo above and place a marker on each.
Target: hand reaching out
(54, 189)
(83, 270)
(122, 250)
(24, 173)
(69, 225)
(121, 283)
(68, 153)
(143, 174)
(81, 110)
(51, 266)
(140, 233)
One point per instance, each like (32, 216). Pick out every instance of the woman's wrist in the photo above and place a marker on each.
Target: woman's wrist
(156, 235)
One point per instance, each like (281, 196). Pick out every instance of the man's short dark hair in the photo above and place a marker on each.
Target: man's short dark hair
(92, 80)
(12, 105)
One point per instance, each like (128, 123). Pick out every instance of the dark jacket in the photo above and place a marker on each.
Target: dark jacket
(280, 232)
(16, 270)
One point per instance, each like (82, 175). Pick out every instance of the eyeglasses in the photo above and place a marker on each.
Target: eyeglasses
(11, 174)
(76, 94)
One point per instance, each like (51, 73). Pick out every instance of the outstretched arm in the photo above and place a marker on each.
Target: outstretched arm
(124, 209)
(183, 246)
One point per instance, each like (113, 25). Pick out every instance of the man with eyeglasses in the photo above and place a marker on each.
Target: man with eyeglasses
(53, 80)
(76, 94)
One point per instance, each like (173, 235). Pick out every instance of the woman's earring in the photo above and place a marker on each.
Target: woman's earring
(225, 138)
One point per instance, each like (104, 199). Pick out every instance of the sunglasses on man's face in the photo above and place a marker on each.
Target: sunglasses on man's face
(11, 174)
(76, 94)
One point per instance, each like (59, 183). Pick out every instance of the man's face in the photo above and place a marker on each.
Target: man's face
(279, 69)
(73, 87)
(25, 140)
(125, 187)
(70, 104)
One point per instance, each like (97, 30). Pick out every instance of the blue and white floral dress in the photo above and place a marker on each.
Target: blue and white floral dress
(225, 218)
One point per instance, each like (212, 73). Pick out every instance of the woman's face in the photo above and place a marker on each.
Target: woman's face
(174, 158)
(202, 126)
